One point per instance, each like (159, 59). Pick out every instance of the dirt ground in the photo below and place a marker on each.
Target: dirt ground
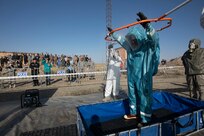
(59, 104)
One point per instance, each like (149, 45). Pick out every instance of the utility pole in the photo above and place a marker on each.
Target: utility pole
(108, 24)
(108, 13)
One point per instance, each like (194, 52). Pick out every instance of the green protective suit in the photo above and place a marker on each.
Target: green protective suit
(142, 64)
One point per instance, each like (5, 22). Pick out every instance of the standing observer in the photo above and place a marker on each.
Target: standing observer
(193, 61)
(47, 69)
(143, 52)
(11, 72)
(35, 71)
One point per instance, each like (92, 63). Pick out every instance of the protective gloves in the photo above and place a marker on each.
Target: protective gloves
(110, 46)
(142, 17)
(109, 29)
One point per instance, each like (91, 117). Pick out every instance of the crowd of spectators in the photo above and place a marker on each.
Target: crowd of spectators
(19, 60)
(46, 61)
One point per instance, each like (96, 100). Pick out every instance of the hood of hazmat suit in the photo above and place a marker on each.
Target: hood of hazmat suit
(142, 49)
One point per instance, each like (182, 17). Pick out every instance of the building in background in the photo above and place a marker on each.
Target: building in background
(123, 55)
(2, 54)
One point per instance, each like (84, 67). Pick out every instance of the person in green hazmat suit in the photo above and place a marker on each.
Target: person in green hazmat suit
(143, 53)
(193, 61)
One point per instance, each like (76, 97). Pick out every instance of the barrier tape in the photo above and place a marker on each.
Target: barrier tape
(170, 67)
(73, 74)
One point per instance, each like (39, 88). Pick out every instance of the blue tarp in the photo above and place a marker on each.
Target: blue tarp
(102, 112)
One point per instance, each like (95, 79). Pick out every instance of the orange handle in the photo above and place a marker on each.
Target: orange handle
(107, 38)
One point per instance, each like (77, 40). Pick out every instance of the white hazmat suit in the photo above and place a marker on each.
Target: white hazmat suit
(113, 74)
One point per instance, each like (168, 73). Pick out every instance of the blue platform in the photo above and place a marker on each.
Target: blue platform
(107, 118)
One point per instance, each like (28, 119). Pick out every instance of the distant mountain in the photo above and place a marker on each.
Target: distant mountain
(175, 62)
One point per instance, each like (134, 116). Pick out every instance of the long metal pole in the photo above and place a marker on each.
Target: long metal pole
(174, 9)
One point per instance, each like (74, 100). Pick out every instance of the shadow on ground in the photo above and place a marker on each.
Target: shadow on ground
(13, 115)
(69, 130)
(13, 96)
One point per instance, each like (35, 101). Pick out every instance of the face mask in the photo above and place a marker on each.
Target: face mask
(132, 41)
(71, 62)
(192, 47)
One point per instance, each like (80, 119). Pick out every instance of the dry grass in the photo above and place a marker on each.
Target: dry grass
(100, 67)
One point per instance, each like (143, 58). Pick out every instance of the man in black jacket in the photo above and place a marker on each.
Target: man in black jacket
(35, 71)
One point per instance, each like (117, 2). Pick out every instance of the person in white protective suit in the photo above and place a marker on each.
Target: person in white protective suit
(113, 75)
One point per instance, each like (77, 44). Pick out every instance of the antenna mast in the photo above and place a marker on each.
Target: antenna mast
(108, 23)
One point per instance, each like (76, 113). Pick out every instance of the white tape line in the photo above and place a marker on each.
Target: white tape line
(53, 75)
(72, 74)
(170, 67)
